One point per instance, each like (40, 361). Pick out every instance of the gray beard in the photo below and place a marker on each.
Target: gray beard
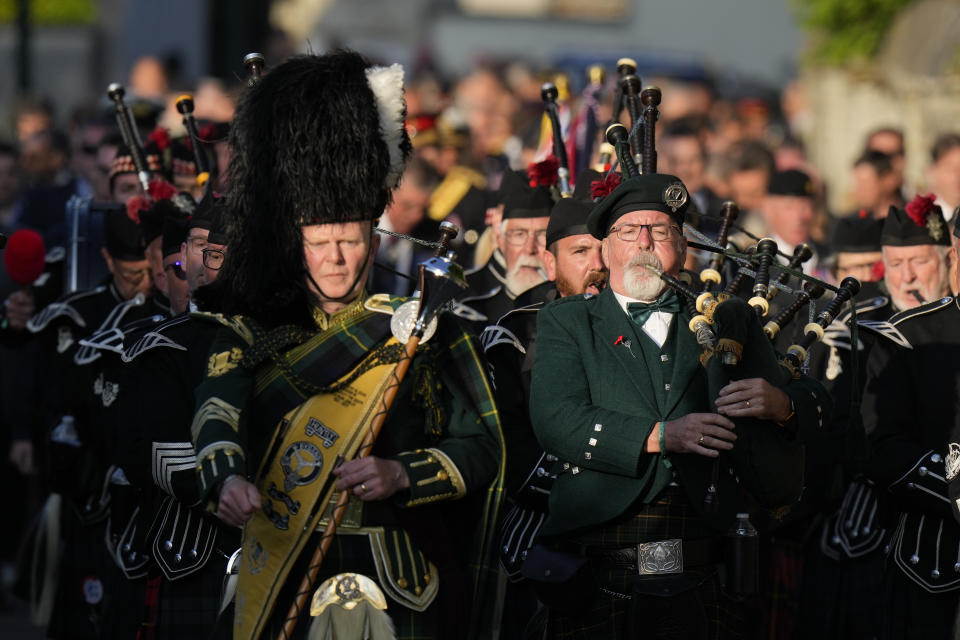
(640, 283)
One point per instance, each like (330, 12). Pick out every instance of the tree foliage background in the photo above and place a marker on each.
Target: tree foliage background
(847, 30)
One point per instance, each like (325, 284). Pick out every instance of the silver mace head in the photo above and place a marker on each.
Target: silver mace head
(441, 279)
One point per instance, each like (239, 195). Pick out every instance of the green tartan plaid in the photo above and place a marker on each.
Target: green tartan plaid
(626, 606)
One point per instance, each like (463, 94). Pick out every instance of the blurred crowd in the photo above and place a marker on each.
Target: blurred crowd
(469, 134)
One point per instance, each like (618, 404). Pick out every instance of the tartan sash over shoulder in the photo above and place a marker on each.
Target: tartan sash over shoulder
(255, 377)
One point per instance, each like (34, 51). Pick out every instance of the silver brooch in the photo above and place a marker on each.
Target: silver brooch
(675, 196)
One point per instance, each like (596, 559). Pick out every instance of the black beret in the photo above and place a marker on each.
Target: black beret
(511, 182)
(649, 192)
(920, 222)
(123, 236)
(202, 217)
(534, 202)
(569, 215)
(856, 235)
(791, 183)
(174, 234)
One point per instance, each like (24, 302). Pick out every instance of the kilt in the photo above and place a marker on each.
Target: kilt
(628, 605)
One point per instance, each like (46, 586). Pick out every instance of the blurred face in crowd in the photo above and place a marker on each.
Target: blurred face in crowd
(39, 160)
(189, 184)
(857, 264)
(915, 271)
(177, 288)
(576, 265)
(86, 143)
(124, 187)
(155, 258)
(626, 258)
(789, 217)
(944, 176)
(748, 187)
(685, 159)
(409, 206)
(130, 276)
(891, 144)
(9, 180)
(872, 191)
(487, 108)
(191, 257)
(338, 258)
(522, 242)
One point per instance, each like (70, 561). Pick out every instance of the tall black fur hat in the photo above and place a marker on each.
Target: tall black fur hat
(318, 139)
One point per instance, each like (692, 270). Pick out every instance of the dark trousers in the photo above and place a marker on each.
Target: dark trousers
(912, 613)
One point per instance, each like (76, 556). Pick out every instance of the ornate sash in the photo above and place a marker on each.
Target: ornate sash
(296, 484)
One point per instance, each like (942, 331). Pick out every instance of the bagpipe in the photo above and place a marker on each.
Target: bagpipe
(734, 344)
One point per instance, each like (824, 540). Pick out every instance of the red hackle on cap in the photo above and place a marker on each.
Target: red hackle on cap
(919, 208)
(25, 256)
(135, 205)
(160, 189)
(602, 188)
(544, 174)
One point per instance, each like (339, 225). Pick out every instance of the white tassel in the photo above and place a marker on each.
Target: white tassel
(387, 86)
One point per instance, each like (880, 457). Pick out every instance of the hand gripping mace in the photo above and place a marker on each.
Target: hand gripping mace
(440, 280)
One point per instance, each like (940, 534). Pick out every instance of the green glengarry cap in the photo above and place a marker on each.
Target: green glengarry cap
(650, 192)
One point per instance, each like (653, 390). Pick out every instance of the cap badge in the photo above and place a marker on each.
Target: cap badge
(935, 227)
(675, 196)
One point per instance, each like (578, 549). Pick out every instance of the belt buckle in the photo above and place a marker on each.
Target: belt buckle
(662, 557)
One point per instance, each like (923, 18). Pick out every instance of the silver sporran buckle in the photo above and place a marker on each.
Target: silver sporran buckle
(660, 558)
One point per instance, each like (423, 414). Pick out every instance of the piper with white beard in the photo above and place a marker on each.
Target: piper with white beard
(619, 398)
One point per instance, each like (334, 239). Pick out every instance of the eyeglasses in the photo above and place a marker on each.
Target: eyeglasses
(177, 269)
(518, 237)
(213, 258)
(196, 244)
(659, 232)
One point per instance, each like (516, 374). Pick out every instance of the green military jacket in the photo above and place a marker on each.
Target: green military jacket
(443, 425)
(599, 387)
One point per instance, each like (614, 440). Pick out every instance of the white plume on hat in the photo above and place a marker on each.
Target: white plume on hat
(387, 86)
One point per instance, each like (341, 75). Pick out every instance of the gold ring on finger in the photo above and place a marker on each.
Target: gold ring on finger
(748, 404)
(700, 441)
(363, 488)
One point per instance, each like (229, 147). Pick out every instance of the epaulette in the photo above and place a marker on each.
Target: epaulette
(236, 323)
(929, 307)
(495, 334)
(155, 339)
(108, 336)
(452, 189)
(64, 307)
(384, 303)
(885, 329)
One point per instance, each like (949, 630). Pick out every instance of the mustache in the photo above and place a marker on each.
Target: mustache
(598, 278)
(644, 259)
(527, 260)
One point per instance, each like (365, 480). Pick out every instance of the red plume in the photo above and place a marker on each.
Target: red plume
(919, 208)
(161, 138)
(876, 271)
(25, 256)
(160, 189)
(135, 205)
(543, 174)
(602, 188)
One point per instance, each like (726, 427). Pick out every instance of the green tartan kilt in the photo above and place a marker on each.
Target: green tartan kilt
(628, 605)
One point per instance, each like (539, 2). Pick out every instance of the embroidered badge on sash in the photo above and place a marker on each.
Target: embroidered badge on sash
(64, 339)
(257, 556)
(110, 392)
(301, 464)
(316, 428)
(221, 363)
